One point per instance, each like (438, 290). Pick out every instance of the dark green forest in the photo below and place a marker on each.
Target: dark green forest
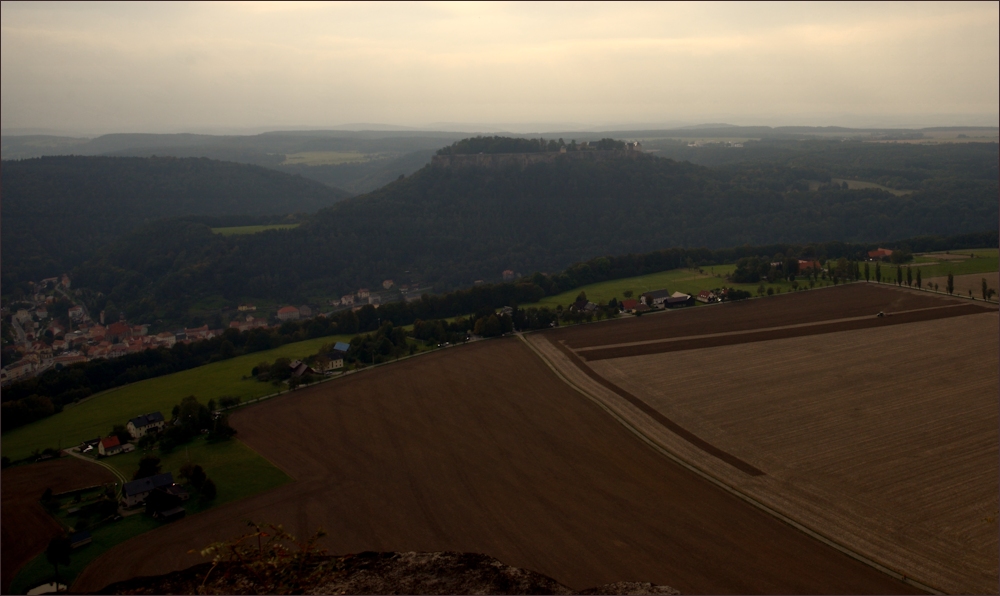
(451, 226)
(895, 165)
(58, 211)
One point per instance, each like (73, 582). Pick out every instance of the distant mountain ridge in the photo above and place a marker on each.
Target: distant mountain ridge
(58, 211)
(450, 226)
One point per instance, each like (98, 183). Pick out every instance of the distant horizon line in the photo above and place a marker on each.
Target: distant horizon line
(455, 127)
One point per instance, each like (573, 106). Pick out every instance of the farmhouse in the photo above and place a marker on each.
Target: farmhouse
(140, 425)
(109, 446)
(328, 362)
(300, 368)
(347, 299)
(809, 265)
(881, 253)
(288, 313)
(135, 492)
(629, 305)
(656, 298)
(679, 299)
(508, 275)
(707, 297)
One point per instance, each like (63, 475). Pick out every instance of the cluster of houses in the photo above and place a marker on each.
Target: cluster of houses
(137, 428)
(322, 363)
(161, 487)
(390, 292)
(660, 299)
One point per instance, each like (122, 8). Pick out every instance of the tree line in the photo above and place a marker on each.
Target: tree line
(32, 399)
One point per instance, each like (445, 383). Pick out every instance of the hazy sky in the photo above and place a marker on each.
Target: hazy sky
(168, 67)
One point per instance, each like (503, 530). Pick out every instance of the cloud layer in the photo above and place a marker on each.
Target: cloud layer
(171, 67)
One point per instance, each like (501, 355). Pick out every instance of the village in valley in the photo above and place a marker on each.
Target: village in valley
(47, 338)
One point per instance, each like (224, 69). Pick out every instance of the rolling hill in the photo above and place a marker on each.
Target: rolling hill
(58, 211)
(450, 225)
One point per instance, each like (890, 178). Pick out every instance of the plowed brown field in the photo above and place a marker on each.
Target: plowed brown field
(25, 526)
(482, 448)
(880, 435)
(826, 304)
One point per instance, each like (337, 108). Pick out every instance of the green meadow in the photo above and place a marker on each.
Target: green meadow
(239, 230)
(95, 416)
(981, 260)
(688, 281)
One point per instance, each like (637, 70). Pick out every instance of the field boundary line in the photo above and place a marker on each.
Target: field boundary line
(117, 473)
(761, 329)
(726, 486)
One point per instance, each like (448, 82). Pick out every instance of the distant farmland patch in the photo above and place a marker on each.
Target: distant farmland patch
(326, 158)
(861, 184)
(240, 230)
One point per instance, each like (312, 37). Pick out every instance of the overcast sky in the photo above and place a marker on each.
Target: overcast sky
(170, 67)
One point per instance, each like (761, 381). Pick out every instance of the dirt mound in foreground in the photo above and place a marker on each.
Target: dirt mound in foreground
(385, 573)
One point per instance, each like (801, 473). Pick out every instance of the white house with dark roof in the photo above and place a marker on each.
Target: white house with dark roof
(656, 298)
(140, 425)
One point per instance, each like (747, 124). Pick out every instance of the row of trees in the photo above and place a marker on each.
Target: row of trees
(497, 144)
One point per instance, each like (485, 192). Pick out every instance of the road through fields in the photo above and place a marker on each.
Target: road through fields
(482, 448)
(883, 438)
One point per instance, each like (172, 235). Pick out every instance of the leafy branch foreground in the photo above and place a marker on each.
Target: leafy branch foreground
(268, 560)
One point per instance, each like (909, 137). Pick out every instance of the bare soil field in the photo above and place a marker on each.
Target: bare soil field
(24, 525)
(972, 281)
(883, 439)
(482, 448)
(826, 304)
(868, 322)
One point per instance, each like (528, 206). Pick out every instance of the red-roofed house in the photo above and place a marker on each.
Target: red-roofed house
(628, 305)
(118, 331)
(288, 313)
(707, 296)
(109, 446)
(879, 254)
(808, 265)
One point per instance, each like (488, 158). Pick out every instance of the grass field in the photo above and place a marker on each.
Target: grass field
(689, 281)
(325, 158)
(240, 230)
(95, 416)
(941, 264)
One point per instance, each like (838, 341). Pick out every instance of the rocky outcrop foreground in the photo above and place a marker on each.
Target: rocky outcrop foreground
(376, 573)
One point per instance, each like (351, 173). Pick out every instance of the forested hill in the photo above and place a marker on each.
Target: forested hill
(57, 211)
(451, 226)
